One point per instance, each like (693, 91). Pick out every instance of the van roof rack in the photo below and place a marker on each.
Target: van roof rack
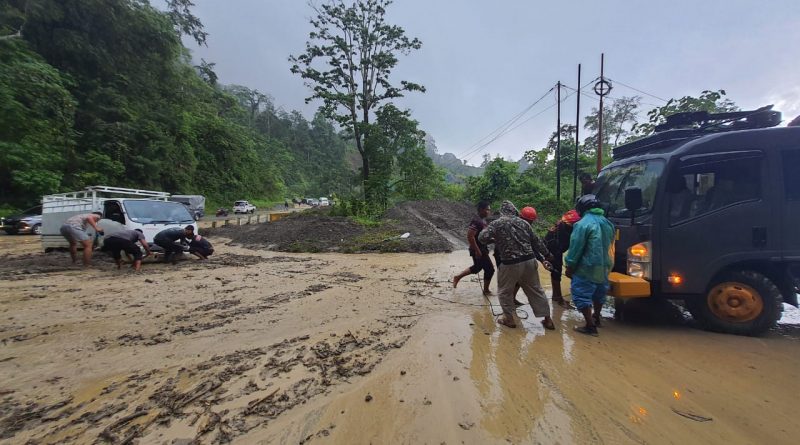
(689, 125)
(763, 117)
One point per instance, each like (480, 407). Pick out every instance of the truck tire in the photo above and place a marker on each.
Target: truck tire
(741, 302)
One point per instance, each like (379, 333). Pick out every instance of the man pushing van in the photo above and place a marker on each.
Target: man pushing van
(74, 231)
(172, 241)
(126, 240)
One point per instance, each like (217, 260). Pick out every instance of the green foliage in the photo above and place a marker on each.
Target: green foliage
(36, 119)
(710, 101)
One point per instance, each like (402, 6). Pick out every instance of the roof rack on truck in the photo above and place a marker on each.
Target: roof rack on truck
(56, 208)
(689, 125)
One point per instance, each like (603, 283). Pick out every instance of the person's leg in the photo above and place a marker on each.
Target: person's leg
(582, 295)
(137, 265)
(537, 298)
(555, 278)
(66, 232)
(488, 273)
(87, 252)
(73, 251)
(506, 283)
(598, 300)
(115, 251)
(475, 268)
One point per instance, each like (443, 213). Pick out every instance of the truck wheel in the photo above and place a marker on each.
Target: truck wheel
(739, 302)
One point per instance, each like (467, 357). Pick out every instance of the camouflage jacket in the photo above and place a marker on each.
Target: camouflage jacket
(512, 235)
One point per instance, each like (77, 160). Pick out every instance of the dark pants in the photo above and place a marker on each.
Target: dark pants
(170, 247)
(483, 263)
(558, 259)
(117, 245)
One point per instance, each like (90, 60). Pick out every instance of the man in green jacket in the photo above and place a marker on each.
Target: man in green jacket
(589, 261)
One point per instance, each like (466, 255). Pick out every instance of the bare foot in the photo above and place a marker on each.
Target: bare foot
(548, 324)
(456, 279)
(487, 292)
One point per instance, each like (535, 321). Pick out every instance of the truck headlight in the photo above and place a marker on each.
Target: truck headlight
(640, 260)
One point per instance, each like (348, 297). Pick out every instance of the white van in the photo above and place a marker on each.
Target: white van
(146, 210)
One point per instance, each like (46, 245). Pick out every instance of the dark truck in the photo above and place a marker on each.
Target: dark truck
(707, 211)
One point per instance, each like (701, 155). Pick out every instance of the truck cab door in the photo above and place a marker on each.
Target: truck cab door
(790, 205)
(113, 210)
(718, 213)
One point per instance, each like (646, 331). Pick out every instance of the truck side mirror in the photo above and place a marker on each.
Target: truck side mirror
(633, 199)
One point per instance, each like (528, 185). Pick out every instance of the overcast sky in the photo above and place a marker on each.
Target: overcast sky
(483, 62)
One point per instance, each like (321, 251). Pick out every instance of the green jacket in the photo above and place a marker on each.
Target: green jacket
(590, 254)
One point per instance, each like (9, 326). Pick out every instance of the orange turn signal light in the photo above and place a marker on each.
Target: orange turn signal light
(675, 279)
(639, 250)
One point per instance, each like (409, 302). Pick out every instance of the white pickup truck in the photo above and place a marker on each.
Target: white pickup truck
(243, 207)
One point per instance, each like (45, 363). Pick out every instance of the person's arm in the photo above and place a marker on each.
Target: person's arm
(577, 244)
(146, 246)
(487, 235)
(93, 223)
(473, 243)
(539, 247)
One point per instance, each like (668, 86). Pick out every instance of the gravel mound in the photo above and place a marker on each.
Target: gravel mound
(434, 226)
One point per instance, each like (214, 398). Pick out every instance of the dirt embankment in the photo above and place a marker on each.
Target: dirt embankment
(433, 226)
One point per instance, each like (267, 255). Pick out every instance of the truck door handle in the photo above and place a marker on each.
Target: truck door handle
(759, 237)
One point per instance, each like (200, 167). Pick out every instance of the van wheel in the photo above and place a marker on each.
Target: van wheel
(37, 229)
(739, 302)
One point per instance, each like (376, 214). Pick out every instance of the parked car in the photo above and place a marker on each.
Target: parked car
(29, 221)
(243, 207)
(313, 202)
(323, 202)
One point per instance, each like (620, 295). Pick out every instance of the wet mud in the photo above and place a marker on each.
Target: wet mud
(262, 347)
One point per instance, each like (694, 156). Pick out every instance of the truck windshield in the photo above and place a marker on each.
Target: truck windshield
(147, 212)
(612, 183)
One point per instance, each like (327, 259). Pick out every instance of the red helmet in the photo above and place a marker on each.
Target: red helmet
(528, 214)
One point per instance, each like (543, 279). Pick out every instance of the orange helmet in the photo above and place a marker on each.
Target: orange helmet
(528, 214)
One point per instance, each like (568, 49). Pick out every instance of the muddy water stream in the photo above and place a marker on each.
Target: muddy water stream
(262, 347)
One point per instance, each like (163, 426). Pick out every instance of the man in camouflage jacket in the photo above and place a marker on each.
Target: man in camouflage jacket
(516, 246)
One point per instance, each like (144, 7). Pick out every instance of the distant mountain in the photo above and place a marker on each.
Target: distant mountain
(456, 169)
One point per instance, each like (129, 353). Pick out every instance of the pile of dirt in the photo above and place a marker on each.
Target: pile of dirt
(433, 226)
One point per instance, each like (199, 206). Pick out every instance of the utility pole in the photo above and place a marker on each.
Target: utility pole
(600, 119)
(558, 143)
(577, 139)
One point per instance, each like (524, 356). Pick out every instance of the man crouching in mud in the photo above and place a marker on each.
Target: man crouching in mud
(516, 245)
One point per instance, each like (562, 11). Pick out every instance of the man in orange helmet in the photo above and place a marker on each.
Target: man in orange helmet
(557, 241)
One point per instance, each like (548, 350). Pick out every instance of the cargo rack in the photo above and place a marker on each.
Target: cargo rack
(684, 126)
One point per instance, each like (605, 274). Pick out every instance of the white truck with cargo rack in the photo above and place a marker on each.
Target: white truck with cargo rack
(122, 208)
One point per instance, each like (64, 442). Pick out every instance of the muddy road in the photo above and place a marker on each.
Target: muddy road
(267, 347)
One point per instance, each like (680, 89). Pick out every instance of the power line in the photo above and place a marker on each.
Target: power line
(638, 90)
(505, 130)
(505, 125)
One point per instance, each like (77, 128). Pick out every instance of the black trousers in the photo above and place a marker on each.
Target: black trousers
(483, 263)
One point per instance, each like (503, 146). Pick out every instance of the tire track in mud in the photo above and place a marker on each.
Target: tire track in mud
(224, 396)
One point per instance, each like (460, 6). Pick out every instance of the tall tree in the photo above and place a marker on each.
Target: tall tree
(348, 62)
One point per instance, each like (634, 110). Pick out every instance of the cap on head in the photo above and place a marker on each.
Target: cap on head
(190, 228)
(528, 214)
(508, 209)
(585, 203)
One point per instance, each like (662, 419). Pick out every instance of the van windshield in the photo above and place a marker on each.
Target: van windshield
(612, 183)
(155, 212)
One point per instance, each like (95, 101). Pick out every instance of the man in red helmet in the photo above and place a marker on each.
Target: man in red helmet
(517, 246)
(557, 241)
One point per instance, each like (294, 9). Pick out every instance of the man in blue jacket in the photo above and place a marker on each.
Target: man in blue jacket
(589, 261)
